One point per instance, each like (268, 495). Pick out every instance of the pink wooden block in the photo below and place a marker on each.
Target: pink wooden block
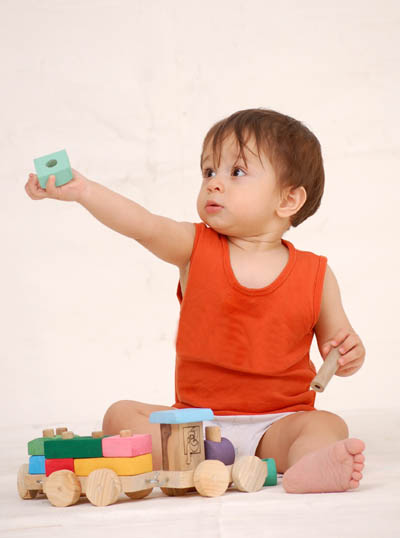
(126, 447)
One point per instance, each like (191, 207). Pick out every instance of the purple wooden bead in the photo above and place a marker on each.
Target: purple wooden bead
(223, 451)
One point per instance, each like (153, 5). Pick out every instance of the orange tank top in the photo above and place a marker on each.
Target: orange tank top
(246, 351)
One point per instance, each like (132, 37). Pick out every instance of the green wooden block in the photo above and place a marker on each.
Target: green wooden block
(36, 446)
(79, 447)
(55, 164)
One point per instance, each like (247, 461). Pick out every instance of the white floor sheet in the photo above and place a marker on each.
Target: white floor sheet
(373, 510)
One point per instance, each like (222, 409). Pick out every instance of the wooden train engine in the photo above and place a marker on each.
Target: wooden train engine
(64, 466)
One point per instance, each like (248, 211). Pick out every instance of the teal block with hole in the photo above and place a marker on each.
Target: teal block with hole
(55, 164)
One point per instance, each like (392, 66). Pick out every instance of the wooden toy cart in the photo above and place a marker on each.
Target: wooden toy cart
(185, 467)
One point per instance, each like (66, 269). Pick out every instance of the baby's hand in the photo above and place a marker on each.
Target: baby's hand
(70, 192)
(351, 349)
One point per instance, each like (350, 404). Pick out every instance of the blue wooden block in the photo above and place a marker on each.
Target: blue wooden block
(37, 465)
(181, 416)
(55, 164)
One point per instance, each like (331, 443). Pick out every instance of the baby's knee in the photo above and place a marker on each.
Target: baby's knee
(330, 420)
(116, 416)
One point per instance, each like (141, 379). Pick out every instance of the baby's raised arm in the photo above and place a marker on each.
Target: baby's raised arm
(168, 239)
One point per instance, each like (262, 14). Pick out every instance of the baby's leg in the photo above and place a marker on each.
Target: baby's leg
(132, 415)
(313, 451)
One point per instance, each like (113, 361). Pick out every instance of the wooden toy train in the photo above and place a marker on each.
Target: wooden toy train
(65, 466)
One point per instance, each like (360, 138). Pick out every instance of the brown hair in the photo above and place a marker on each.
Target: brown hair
(293, 149)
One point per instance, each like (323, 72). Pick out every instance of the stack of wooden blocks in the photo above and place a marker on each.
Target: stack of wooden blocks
(125, 454)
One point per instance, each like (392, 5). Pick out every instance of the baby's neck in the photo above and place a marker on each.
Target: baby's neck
(256, 264)
(257, 244)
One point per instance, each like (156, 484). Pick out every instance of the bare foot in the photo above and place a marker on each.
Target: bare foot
(334, 468)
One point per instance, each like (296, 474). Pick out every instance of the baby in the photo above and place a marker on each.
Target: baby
(250, 301)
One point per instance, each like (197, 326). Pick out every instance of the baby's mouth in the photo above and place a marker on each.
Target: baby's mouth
(213, 207)
(211, 203)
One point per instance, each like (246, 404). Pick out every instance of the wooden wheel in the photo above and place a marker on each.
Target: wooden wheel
(175, 492)
(249, 473)
(63, 488)
(103, 487)
(23, 492)
(211, 478)
(138, 494)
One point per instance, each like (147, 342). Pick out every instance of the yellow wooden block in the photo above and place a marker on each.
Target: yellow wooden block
(122, 466)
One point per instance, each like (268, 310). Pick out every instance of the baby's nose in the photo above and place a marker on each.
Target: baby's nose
(215, 184)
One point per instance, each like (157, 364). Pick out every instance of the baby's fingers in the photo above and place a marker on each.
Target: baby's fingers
(33, 188)
(51, 189)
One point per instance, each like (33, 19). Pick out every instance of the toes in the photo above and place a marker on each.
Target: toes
(359, 458)
(355, 446)
(354, 484)
(356, 475)
(358, 467)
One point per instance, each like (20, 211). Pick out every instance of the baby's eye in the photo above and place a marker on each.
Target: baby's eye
(208, 172)
(238, 174)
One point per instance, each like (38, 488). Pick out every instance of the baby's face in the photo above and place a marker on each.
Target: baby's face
(235, 199)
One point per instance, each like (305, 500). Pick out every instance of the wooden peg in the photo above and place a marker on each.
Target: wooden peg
(213, 433)
(98, 434)
(67, 435)
(48, 433)
(125, 433)
(59, 431)
(327, 370)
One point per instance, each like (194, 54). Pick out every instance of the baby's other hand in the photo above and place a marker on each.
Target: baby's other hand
(351, 349)
(69, 192)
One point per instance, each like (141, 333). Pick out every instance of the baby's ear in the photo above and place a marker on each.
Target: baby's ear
(292, 200)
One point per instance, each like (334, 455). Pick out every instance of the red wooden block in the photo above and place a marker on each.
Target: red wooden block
(59, 464)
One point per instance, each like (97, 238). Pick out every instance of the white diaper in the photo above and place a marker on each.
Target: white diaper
(245, 431)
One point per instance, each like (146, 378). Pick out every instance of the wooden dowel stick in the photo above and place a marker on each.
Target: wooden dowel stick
(213, 433)
(327, 370)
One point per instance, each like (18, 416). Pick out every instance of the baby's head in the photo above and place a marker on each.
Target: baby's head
(279, 146)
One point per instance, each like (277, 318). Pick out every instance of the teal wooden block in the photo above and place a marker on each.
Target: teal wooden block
(55, 164)
(272, 477)
(181, 416)
(37, 465)
(36, 446)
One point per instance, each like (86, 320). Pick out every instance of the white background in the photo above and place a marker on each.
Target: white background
(129, 89)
